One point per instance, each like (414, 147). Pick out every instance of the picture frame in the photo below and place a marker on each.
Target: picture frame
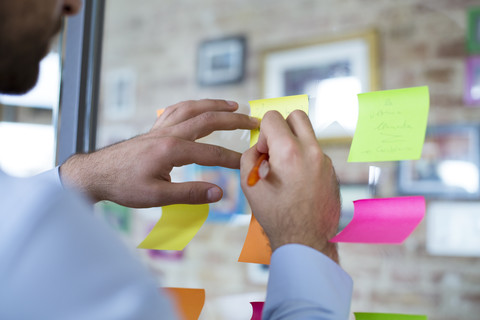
(233, 201)
(472, 81)
(332, 72)
(453, 228)
(473, 31)
(448, 167)
(221, 61)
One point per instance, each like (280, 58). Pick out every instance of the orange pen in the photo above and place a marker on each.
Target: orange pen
(253, 176)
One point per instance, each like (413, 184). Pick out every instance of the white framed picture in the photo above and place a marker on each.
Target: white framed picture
(453, 228)
(332, 72)
(221, 61)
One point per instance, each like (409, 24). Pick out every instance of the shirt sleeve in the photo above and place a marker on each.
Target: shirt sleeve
(58, 261)
(51, 176)
(305, 284)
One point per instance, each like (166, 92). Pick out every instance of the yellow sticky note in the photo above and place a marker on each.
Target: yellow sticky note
(391, 125)
(284, 105)
(177, 226)
(256, 248)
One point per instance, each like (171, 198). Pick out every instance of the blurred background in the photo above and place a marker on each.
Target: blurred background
(157, 53)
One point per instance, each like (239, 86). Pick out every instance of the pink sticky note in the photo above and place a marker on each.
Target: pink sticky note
(257, 310)
(382, 221)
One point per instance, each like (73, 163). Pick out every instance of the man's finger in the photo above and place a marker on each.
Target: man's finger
(301, 126)
(273, 130)
(208, 122)
(185, 110)
(247, 162)
(194, 192)
(183, 152)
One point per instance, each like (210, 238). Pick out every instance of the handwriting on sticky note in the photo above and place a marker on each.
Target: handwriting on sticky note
(257, 307)
(391, 125)
(383, 221)
(284, 105)
(387, 316)
(176, 228)
(189, 302)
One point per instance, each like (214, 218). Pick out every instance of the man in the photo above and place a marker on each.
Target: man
(58, 262)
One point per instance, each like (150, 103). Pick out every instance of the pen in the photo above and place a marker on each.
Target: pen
(254, 176)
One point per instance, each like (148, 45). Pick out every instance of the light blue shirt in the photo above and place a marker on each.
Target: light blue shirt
(305, 284)
(58, 261)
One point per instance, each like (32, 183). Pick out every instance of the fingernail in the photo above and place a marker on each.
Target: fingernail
(232, 103)
(263, 169)
(214, 194)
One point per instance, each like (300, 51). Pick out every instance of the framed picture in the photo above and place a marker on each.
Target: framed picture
(332, 72)
(472, 81)
(453, 228)
(448, 167)
(221, 61)
(473, 32)
(233, 201)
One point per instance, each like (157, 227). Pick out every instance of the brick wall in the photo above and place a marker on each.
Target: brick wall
(421, 43)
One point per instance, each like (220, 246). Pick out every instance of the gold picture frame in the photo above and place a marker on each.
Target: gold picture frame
(332, 71)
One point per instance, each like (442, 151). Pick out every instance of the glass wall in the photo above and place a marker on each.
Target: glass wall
(157, 53)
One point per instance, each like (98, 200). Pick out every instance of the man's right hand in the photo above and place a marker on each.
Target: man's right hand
(298, 201)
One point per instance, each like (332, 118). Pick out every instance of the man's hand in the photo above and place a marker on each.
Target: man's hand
(136, 172)
(298, 201)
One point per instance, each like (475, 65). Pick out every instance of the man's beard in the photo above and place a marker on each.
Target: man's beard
(20, 66)
(20, 76)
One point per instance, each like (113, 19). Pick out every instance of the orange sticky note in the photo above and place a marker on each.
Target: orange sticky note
(189, 301)
(256, 248)
(160, 112)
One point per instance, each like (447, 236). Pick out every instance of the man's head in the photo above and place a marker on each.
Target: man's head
(26, 30)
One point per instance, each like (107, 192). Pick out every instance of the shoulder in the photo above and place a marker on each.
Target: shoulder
(28, 203)
(30, 197)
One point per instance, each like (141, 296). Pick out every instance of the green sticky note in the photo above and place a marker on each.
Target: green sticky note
(177, 226)
(391, 125)
(284, 105)
(387, 316)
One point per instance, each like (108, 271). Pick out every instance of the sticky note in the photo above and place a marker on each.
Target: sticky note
(257, 307)
(284, 105)
(387, 316)
(391, 125)
(256, 248)
(189, 302)
(176, 227)
(383, 221)
(160, 112)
